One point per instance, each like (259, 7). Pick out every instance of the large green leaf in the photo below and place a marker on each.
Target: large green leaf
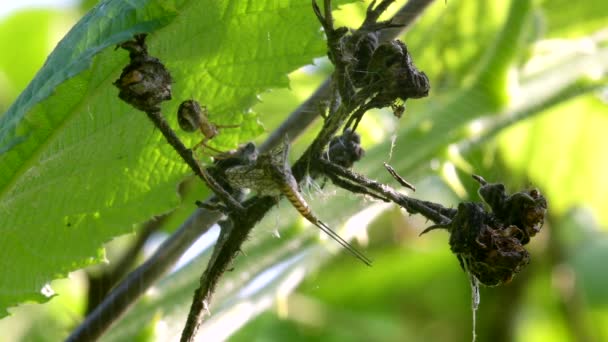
(80, 167)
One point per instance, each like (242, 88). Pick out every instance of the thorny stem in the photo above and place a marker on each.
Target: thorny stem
(143, 277)
(355, 182)
(226, 249)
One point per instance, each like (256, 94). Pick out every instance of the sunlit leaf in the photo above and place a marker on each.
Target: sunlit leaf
(79, 166)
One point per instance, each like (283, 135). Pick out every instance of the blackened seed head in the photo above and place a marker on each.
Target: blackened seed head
(534, 215)
(488, 250)
(190, 115)
(345, 149)
(495, 195)
(363, 48)
(145, 82)
(422, 86)
(384, 58)
(496, 256)
(144, 85)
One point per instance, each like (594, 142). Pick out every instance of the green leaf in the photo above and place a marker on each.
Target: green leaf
(80, 167)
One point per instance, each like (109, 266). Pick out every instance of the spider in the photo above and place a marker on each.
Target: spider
(191, 116)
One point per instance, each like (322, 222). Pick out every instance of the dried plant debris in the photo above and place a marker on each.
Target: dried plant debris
(387, 77)
(370, 74)
(489, 243)
(524, 209)
(398, 178)
(392, 73)
(271, 175)
(145, 82)
(345, 149)
(191, 116)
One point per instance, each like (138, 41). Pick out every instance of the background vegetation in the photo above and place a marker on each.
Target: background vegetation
(518, 95)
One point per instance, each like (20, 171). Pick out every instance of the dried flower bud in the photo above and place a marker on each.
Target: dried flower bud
(490, 252)
(489, 243)
(145, 82)
(363, 50)
(345, 149)
(525, 209)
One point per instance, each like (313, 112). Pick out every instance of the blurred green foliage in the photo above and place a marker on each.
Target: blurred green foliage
(416, 290)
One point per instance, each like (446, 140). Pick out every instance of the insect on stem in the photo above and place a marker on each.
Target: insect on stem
(271, 175)
(298, 202)
(191, 116)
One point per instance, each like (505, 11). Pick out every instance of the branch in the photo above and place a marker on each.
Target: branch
(100, 283)
(358, 183)
(142, 278)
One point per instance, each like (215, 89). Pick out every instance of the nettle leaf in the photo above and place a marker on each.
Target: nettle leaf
(80, 167)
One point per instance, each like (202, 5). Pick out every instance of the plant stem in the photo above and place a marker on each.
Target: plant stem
(346, 178)
(101, 284)
(142, 278)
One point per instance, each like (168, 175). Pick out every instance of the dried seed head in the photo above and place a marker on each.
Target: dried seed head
(392, 70)
(363, 50)
(491, 252)
(489, 243)
(145, 82)
(525, 209)
(345, 149)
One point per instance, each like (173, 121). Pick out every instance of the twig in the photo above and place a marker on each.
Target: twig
(399, 178)
(224, 252)
(100, 284)
(138, 281)
(355, 182)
